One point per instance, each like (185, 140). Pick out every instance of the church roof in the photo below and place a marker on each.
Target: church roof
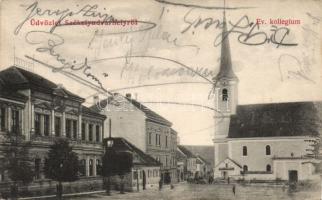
(276, 119)
(16, 78)
(225, 67)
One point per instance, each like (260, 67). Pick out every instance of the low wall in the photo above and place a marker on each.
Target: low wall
(48, 187)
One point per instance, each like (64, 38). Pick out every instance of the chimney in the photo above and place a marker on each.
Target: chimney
(128, 95)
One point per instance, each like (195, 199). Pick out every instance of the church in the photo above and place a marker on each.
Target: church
(271, 141)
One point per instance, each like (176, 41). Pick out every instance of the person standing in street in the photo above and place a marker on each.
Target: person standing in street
(234, 190)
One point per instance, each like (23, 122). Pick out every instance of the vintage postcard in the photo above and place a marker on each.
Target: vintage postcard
(161, 99)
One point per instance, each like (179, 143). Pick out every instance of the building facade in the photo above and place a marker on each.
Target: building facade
(275, 141)
(189, 160)
(144, 128)
(42, 112)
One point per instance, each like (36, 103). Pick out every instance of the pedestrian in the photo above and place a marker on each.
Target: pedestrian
(234, 190)
(228, 180)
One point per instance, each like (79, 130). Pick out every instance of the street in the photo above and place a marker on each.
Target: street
(212, 192)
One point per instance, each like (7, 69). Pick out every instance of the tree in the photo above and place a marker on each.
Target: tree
(123, 165)
(61, 164)
(108, 168)
(116, 163)
(17, 161)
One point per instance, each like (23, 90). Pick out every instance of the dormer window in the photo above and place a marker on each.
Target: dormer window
(225, 95)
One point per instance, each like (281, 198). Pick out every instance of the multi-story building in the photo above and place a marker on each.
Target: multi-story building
(203, 167)
(189, 160)
(42, 111)
(144, 128)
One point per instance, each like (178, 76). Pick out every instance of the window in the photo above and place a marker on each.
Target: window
(91, 167)
(15, 121)
(37, 168)
(268, 150)
(37, 124)
(156, 139)
(82, 168)
(244, 151)
(90, 132)
(159, 140)
(97, 133)
(46, 125)
(268, 168)
(74, 129)
(68, 128)
(2, 119)
(57, 126)
(135, 175)
(83, 131)
(150, 138)
(225, 95)
(1, 176)
(245, 168)
(166, 141)
(166, 160)
(98, 167)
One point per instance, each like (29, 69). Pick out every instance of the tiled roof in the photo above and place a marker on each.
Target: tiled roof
(276, 119)
(121, 144)
(180, 156)
(203, 160)
(17, 78)
(186, 151)
(207, 152)
(150, 114)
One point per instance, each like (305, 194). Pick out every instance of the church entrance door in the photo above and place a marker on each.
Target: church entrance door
(292, 176)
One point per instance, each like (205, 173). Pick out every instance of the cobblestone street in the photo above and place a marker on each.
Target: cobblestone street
(212, 192)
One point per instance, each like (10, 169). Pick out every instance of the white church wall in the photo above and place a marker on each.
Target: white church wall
(256, 159)
(264, 177)
(282, 167)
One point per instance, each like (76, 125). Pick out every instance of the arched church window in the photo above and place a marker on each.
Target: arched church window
(245, 168)
(268, 150)
(268, 168)
(225, 95)
(244, 151)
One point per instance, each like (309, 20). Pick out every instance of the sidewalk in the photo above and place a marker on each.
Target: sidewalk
(103, 192)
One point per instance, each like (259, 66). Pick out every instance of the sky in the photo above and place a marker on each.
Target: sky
(156, 60)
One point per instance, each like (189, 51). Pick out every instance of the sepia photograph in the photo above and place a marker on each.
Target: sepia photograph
(161, 99)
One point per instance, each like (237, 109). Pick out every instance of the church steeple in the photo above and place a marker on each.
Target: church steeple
(225, 67)
(225, 82)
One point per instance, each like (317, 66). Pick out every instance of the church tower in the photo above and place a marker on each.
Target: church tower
(225, 97)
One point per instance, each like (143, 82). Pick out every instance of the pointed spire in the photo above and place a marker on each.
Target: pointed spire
(225, 68)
